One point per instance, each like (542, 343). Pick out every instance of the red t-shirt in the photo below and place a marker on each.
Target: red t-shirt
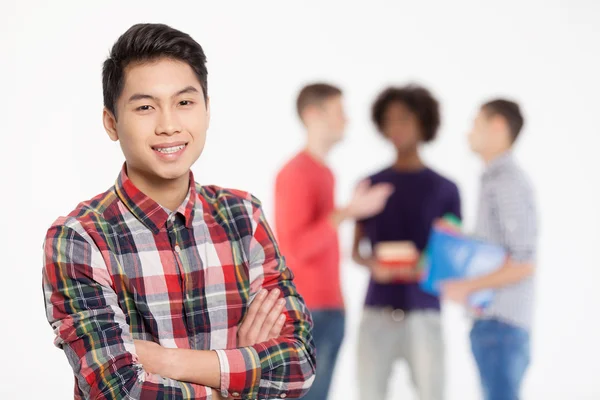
(304, 192)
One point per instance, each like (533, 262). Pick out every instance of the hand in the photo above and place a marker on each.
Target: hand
(368, 200)
(383, 274)
(264, 320)
(153, 356)
(457, 291)
(216, 395)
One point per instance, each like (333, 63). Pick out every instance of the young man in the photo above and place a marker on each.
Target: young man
(400, 321)
(146, 285)
(307, 222)
(507, 216)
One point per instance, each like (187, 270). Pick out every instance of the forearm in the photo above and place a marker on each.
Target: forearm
(357, 257)
(360, 260)
(510, 273)
(195, 366)
(338, 216)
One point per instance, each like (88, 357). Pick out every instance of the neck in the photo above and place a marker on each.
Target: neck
(491, 156)
(317, 147)
(408, 160)
(169, 193)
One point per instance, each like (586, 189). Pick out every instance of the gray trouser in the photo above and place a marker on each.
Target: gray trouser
(388, 335)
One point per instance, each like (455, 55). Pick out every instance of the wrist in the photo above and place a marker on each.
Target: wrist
(338, 216)
(470, 286)
(170, 364)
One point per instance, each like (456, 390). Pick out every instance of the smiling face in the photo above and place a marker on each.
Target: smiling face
(161, 120)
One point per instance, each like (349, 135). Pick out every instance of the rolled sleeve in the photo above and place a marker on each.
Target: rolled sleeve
(518, 221)
(240, 372)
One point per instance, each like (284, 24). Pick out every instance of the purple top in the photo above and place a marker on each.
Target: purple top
(420, 197)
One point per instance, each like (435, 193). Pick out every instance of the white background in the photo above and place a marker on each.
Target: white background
(545, 54)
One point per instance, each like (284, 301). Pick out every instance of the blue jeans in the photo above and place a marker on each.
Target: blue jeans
(328, 333)
(501, 351)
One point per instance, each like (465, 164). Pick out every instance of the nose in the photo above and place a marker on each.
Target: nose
(168, 123)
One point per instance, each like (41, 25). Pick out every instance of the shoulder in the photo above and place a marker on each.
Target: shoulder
(445, 184)
(237, 211)
(87, 221)
(384, 175)
(222, 199)
(513, 180)
(296, 169)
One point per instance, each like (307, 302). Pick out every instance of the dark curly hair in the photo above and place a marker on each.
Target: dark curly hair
(418, 100)
(149, 42)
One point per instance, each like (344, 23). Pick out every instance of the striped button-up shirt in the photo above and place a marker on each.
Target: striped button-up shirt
(120, 267)
(507, 216)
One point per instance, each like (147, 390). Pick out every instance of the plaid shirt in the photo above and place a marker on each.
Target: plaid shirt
(120, 267)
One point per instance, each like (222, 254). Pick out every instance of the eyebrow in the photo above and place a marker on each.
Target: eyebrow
(142, 96)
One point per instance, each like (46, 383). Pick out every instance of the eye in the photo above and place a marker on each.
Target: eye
(144, 108)
(186, 103)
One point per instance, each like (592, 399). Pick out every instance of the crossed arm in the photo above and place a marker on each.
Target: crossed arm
(264, 321)
(91, 327)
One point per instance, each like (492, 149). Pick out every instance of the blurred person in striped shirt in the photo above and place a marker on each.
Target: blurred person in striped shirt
(500, 336)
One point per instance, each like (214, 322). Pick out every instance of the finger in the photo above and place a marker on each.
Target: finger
(277, 328)
(263, 312)
(270, 321)
(382, 190)
(253, 310)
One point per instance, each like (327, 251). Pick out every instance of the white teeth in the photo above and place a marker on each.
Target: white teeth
(170, 150)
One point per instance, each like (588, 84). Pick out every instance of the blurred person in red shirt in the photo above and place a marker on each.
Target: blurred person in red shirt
(306, 221)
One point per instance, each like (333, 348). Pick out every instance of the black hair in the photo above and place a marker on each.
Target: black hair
(510, 111)
(145, 43)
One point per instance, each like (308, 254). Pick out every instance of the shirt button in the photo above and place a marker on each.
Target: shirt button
(177, 248)
(235, 394)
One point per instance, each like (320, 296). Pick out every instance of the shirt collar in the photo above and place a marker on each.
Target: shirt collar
(498, 164)
(149, 212)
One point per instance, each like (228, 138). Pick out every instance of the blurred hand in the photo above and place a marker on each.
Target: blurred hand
(384, 274)
(457, 291)
(264, 319)
(368, 200)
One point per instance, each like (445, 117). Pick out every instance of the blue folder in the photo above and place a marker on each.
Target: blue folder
(454, 256)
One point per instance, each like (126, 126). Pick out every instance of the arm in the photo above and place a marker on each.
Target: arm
(516, 212)
(511, 272)
(263, 321)
(92, 329)
(282, 367)
(357, 257)
(381, 274)
(307, 237)
(304, 235)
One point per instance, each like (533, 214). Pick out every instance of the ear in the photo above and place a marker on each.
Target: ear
(207, 112)
(110, 124)
(498, 123)
(309, 113)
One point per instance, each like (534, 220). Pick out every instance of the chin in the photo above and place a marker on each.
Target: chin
(171, 172)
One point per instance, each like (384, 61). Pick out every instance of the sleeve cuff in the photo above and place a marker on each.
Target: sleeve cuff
(240, 372)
